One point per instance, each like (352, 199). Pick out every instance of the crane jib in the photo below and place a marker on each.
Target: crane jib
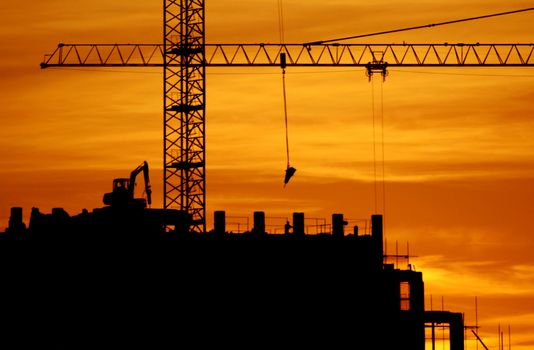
(325, 55)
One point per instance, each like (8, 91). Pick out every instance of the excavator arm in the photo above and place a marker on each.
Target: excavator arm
(141, 168)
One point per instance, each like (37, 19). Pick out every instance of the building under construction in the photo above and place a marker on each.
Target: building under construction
(126, 274)
(121, 274)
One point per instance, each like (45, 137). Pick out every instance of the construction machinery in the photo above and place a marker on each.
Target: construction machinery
(126, 214)
(123, 190)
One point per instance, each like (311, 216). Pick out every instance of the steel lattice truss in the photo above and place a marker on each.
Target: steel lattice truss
(184, 95)
(224, 55)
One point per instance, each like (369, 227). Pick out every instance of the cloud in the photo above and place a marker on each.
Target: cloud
(481, 278)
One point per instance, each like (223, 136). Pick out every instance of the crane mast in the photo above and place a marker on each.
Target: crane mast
(184, 109)
(184, 57)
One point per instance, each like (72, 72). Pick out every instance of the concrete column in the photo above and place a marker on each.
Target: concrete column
(298, 224)
(378, 238)
(259, 222)
(338, 225)
(220, 222)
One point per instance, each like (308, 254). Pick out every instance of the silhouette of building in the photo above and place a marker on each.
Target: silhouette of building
(116, 276)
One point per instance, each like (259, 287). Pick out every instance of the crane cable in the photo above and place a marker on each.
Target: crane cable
(382, 145)
(374, 142)
(285, 114)
(281, 28)
(421, 27)
(290, 171)
(383, 154)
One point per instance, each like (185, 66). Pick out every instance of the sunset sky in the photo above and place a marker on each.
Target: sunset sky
(459, 145)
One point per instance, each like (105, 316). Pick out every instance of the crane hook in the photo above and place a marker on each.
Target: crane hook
(290, 171)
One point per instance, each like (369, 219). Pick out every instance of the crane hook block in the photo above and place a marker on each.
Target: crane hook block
(290, 171)
(283, 61)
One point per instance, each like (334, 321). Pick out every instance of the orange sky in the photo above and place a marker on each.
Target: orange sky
(458, 142)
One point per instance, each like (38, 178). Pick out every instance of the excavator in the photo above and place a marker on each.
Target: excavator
(125, 213)
(124, 188)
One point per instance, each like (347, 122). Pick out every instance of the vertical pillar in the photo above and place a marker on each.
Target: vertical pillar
(378, 238)
(15, 224)
(259, 222)
(456, 331)
(220, 222)
(338, 225)
(184, 109)
(298, 224)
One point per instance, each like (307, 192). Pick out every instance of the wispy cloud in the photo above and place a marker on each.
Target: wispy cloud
(483, 278)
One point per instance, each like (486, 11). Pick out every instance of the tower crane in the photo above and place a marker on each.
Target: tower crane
(184, 56)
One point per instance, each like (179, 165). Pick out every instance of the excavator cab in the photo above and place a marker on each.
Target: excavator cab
(121, 195)
(121, 185)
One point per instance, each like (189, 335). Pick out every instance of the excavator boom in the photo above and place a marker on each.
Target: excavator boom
(133, 175)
